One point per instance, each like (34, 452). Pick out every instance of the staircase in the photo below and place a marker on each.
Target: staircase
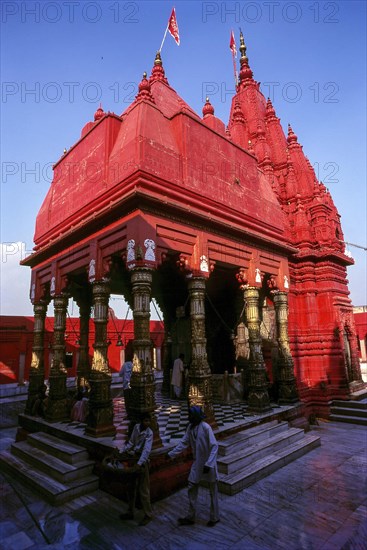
(354, 412)
(58, 470)
(250, 455)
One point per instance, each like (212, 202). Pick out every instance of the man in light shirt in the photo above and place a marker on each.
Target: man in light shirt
(200, 437)
(140, 446)
(177, 375)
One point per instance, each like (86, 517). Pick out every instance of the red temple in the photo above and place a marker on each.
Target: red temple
(226, 227)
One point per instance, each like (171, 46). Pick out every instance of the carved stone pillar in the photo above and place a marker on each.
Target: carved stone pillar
(56, 409)
(100, 415)
(142, 379)
(200, 392)
(258, 397)
(83, 368)
(37, 370)
(167, 361)
(288, 392)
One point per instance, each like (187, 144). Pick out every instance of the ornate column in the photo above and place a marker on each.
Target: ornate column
(100, 416)
(288, 392)
(258, 397)
(83, 368)
(142, 378)
(200, 392)
(37, 370)
(56, 409)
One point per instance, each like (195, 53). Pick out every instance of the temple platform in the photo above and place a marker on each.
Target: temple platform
(318, 502)
(172, 418)
(269, 440)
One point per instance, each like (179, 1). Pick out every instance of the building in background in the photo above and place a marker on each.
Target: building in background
(16, 345)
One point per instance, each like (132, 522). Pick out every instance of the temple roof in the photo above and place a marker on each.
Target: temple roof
(180, 156)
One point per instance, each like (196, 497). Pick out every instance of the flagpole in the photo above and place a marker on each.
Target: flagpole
(235, 71)
(164, 38)
(232, 45)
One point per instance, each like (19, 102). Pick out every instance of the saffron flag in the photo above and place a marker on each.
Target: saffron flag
(232, 45)
(173, 27)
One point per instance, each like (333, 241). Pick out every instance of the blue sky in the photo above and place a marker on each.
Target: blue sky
(61, 59)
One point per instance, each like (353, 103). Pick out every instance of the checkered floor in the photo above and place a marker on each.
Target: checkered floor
(172, 417)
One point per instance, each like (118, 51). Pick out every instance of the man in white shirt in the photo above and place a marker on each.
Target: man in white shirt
(200, 437)
(177, 375)
(140, 446)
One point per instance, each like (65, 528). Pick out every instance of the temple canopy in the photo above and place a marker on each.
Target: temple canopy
(228, 228)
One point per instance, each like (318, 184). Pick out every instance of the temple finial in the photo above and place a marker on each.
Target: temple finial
(292, 138)
(144, 90)
(243, 48)
(245, 72)
(208, 108)
(158, 71)
(99, 113)
(158, 59)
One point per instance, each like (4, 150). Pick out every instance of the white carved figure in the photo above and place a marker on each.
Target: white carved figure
(204, 265)
(53, 286)
(150, 246)
(286, 282)
(130, 250)
(92, 271)
(257, 275)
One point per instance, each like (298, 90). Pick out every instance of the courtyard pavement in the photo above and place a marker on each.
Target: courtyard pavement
(317, 502)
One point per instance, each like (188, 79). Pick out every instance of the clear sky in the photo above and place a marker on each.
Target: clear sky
(59, 60)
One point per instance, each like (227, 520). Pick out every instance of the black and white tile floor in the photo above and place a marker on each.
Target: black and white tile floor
(172, 417)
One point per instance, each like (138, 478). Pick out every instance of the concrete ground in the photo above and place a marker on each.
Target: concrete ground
(317, 502)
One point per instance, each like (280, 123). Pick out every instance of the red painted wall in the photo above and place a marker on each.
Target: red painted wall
(17, 340)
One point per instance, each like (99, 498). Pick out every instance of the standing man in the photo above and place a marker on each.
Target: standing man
(139, 446)
(125, 373)
(200, 437)
(177, 375)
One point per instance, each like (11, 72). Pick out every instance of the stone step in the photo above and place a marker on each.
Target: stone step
(51, 465)
(232, 484)
(349, 411)
(243, 457)
(68, 452)
(350, 404)
(349, 419)
(52, 490)
(250, 436)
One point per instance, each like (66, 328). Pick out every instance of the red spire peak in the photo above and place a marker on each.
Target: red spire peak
(208, 108)
(144, 90)
(292, 138)
(270, 111)
(158, 71)
(245, 72)
(99, 113)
